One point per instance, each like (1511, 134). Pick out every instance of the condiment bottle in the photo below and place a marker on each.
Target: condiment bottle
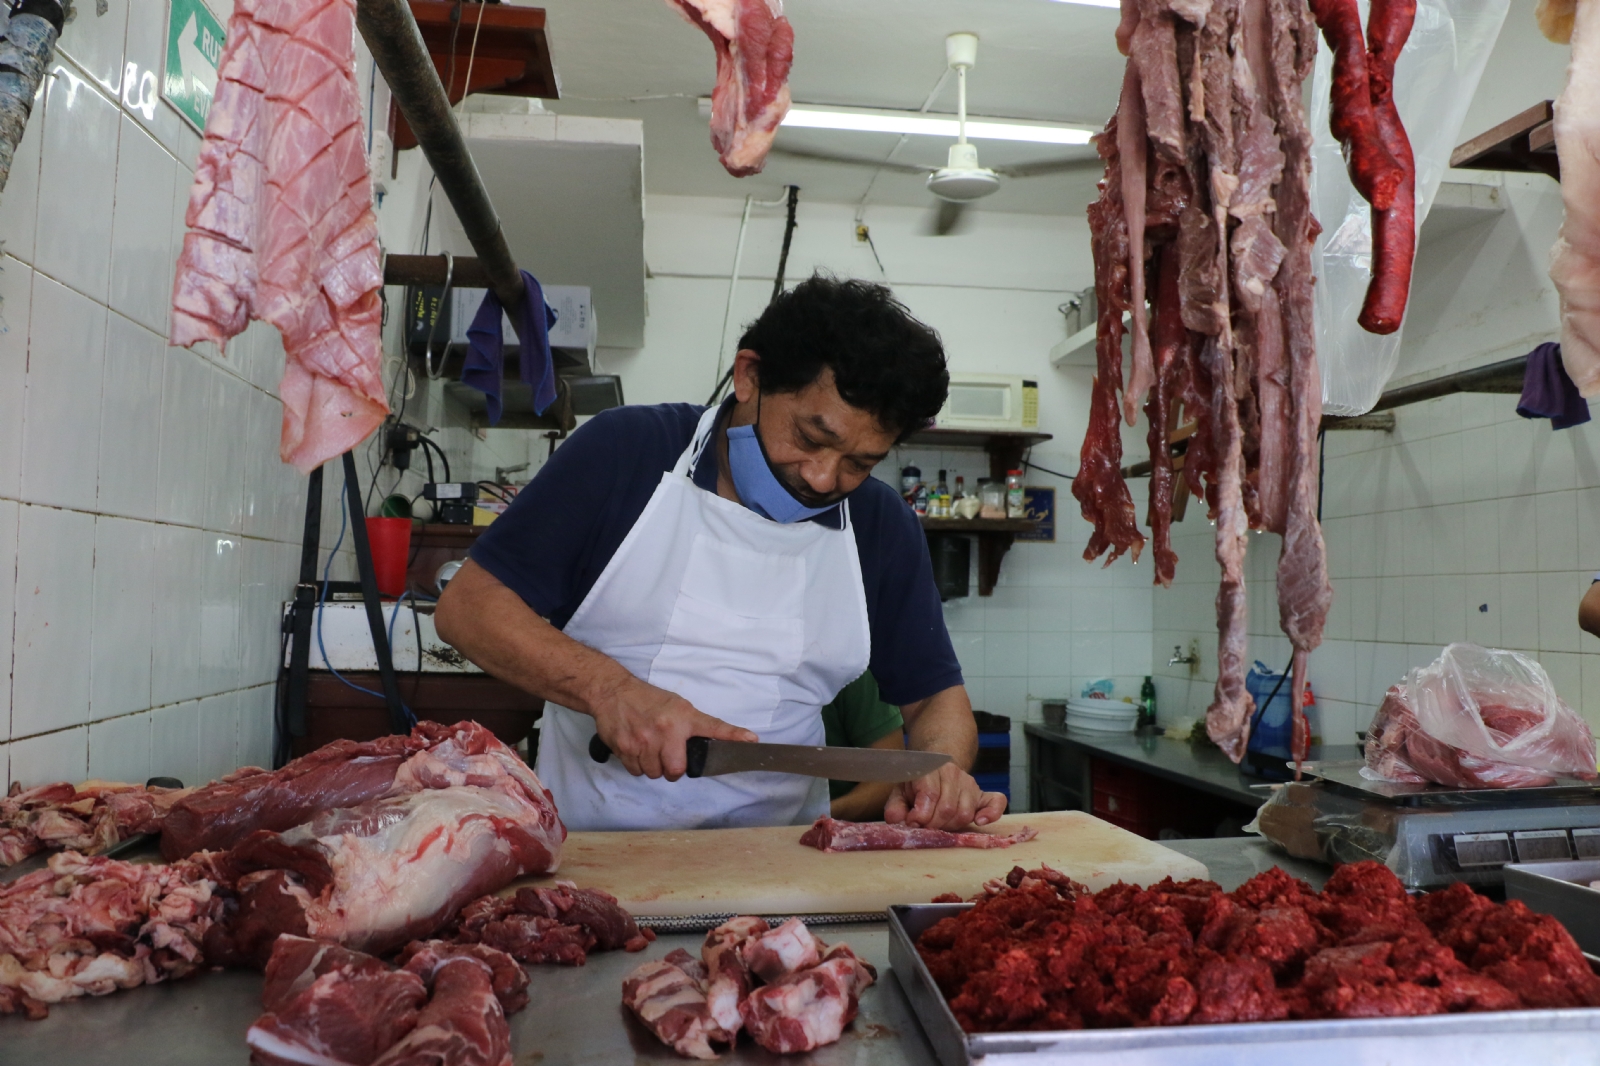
(1016, 503)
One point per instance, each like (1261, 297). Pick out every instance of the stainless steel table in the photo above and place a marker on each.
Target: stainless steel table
(573, 1016)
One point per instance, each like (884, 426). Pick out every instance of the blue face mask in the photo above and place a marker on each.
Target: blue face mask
(756, 483)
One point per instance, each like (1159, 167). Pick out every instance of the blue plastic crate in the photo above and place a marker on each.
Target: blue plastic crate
(1000, 783)
(994, 740)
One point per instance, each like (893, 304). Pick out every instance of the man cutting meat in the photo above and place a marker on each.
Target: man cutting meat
(678, 571)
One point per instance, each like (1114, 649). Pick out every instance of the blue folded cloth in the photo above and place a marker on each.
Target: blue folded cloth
(1547, 392)
(484, 367)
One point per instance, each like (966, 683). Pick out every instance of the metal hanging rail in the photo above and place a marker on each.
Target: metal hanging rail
(1504, 377)
(397, 47)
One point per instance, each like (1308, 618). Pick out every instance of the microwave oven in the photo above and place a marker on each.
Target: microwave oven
(994, 402)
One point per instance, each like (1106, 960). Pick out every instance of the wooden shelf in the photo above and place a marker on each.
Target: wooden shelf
(976, 438)
(508, 54)
(979, 525)
(1523, 144)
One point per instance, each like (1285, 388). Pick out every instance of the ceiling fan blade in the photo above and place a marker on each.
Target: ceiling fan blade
(1050, 166)
(946, 218)
(848, 160)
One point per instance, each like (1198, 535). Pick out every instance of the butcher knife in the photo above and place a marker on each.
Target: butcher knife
(713, 758)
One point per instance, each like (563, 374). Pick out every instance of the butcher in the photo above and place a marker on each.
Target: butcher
(723, 571)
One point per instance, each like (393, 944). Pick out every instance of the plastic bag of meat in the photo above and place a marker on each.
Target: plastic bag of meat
(1478, 718)
(1435, 76)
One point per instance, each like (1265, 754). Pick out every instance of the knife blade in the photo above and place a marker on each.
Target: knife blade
(713, 758)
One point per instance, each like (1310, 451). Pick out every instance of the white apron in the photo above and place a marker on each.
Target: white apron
(755, 622)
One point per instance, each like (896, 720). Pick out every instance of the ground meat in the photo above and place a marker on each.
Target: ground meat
(1039, 952)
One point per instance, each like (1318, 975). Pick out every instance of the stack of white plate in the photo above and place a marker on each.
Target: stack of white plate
(1101, 716)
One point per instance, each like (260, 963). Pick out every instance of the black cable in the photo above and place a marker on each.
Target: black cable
(1322, 466)
(494, 490)
(443, 458)
(1046, 470)
(788, 235)
(426, 454)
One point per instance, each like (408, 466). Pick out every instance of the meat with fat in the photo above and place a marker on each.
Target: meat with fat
(808, 1009)
(728, 977)
(755, 48)
(551, 925)
(463, 1022)
(342, 774)
(377, 875)
(280, 221)
(86, 818)
(831, 834)
(1575, 259)
(671, 1002)
(89, 926)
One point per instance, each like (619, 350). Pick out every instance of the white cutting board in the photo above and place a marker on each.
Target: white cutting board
(768, 870)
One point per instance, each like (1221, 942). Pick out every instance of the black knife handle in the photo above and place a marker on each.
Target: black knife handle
(697, 749)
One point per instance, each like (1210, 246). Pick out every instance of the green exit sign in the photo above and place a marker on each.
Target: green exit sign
(194, 48)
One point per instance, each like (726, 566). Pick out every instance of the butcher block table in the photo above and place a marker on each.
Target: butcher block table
(573, 1015)
(767, 871)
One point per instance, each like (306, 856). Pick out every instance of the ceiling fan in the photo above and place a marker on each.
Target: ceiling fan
(962, 180)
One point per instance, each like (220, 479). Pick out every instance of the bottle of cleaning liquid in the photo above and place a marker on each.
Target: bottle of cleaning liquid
(1147, 705)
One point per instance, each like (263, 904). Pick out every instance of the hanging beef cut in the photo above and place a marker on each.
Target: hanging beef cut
(280, 221)
(755, 46)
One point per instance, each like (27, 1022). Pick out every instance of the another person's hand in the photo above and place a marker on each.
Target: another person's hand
(948, 798)
(647, 727)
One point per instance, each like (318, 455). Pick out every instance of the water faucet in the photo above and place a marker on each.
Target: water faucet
(1178, 658)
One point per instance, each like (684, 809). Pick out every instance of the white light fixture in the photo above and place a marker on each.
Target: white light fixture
(869, 120)
(962, 178)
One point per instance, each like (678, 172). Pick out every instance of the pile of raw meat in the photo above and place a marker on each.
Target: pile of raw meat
(831, 834)
(561, 924)
(88, 818)
(280, 221)
(1204, 215)
(444, 1004)
(1478, 718)
(87, 927)
(786, 988)
(1039, 952)
(369, 845)
(755, 47)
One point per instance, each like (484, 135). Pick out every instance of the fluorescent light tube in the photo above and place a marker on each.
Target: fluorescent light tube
(1093, 3)
(868, 120)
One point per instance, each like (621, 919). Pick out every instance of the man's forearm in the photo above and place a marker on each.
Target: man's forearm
(943, 722)
(492, 626)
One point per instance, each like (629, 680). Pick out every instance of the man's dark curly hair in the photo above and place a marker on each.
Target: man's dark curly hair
(883, 360)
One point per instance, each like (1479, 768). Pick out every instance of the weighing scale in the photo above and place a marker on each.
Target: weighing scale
(1433, 835)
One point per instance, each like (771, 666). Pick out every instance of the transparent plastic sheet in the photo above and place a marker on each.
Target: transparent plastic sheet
(1478, 718)
(1310, 822)
(1435, 79)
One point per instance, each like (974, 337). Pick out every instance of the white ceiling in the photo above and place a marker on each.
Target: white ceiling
(1037, 59)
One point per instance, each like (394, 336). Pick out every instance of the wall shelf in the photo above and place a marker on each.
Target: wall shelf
(1523, 144)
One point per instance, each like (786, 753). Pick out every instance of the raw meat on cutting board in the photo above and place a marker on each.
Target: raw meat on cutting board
(280, 221)
(831, 834)
(765, 871)
(755, 46)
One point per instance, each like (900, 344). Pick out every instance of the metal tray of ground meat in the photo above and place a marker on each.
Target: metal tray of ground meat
(1550, 1037)
(1561, 890)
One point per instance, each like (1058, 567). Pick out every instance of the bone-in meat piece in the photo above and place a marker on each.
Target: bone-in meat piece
(1575, 263)
(728, 974)
(671, 1002)
(375, 876)
(755, 47)
(805, 1010)
(280, 221)
(782, 951)
(831, 834)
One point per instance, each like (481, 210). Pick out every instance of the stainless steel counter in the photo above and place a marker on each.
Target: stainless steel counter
(574, 1015)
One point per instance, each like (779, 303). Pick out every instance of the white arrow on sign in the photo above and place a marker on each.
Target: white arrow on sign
(202, 72)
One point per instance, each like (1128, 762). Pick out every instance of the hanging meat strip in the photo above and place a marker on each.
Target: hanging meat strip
(1228, 717)
(1374, 171)
(1575, 267)
(1304, 594)
(281, 225)
(1170, 341)
(1101, 492)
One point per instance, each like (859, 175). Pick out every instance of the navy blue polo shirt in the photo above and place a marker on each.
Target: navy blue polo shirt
(556, 538)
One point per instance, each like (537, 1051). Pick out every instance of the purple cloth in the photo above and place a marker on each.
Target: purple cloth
(1547, 392)
(484, 367)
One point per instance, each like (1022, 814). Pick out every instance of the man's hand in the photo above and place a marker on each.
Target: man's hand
(948, 798)
(647, 727)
